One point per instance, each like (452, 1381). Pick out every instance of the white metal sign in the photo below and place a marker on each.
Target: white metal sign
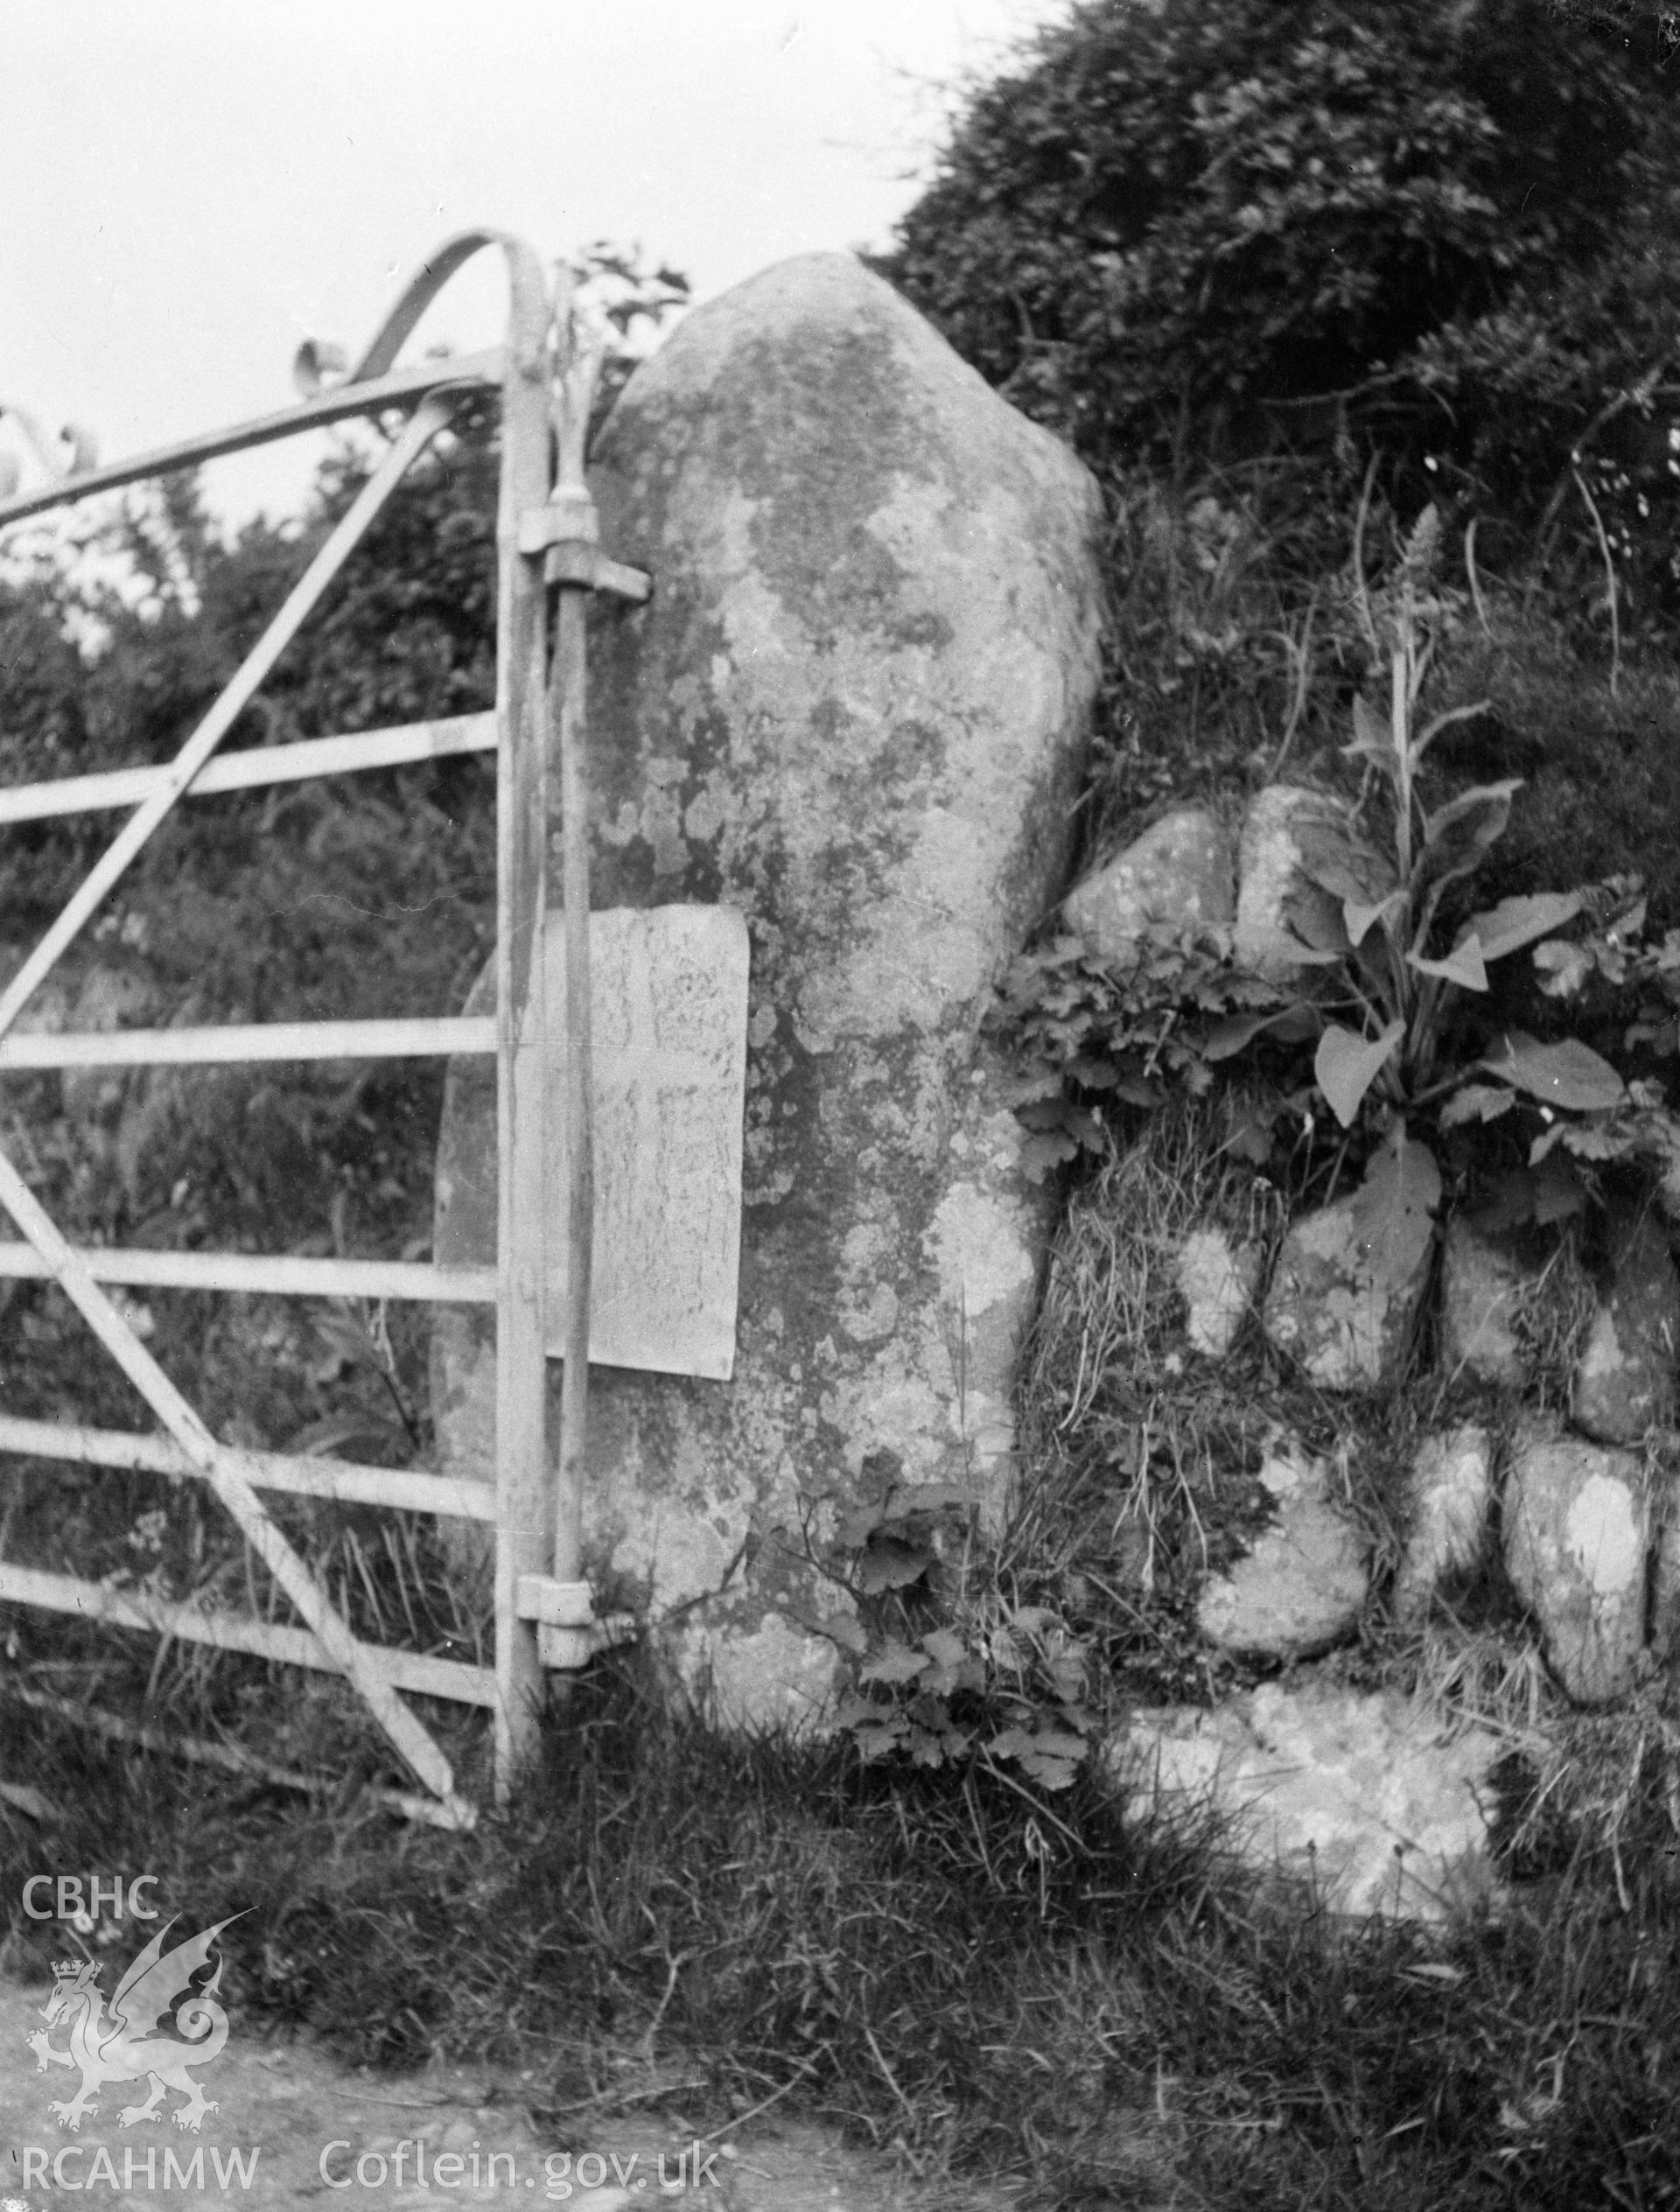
(669, 996)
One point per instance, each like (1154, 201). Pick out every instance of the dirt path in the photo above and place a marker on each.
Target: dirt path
(293, 2126)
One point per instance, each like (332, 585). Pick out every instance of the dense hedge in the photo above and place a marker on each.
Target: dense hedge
(1449, 230)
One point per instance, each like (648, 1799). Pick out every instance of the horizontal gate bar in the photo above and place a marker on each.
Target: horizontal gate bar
(199, 1752)
(415, 1038)
(404, 1489)
(330, 1637)
(411, 1671)
(259, 767)
(432, 416)
(335, 406)
(272, 1275)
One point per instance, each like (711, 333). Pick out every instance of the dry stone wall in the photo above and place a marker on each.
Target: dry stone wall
(1389, 1806)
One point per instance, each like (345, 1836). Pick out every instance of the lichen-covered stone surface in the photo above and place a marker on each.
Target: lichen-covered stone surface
(1299, 1588)
(856, 708)
(1344, 1296)
(1298, 856)
(1449, 1495)
(1364, 1795)
(1482, 1282)
(1624, 1381)
(1217, 1280)
(1576, 1527)
(1176, 881)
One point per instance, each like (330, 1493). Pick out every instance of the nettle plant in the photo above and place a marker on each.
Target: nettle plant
(1376, 992)
(951, 1668)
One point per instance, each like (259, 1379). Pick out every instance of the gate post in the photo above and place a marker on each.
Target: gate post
(524, 1496)
(568, 717)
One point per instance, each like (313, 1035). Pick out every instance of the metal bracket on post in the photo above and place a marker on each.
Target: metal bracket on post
(568, 532)
(569, 1634)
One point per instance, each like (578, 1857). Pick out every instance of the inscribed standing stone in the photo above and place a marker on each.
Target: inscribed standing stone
(855, 709)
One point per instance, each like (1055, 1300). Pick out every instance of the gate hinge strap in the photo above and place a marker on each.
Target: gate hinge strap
(568, 1633)
(575, 561)
(563, 530)
(560, 1604)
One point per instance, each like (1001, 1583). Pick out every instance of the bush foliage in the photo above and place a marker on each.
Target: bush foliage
(1447, 230)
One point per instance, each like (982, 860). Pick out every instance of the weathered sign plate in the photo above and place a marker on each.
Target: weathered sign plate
(668, 1046)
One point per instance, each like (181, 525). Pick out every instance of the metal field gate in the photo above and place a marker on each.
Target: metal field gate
(547, 561)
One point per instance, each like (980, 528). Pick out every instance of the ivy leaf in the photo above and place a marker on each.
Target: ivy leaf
(1036, 1619)
(1010, 1743)
(928, 1749)
(843, 1628)
(1050, 1758)
(1049, 1111)
(1568, 1074)
(1057, 1743)
(1040, 1154)
(1345, 1067)
(1095, 1075)
(1048, 1772)
(895, 1662)
(876, 1739)
(1476, 1103)
(1250, 1137)
(1563, 968)
(1031, 1085)
(945, 1648)
(890, 1564)
(1595, 1140)
(857, 1527)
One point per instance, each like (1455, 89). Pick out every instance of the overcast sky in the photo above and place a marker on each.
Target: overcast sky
(190, 188)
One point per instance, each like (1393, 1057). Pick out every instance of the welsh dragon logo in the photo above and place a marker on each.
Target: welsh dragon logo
(121, 2045)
